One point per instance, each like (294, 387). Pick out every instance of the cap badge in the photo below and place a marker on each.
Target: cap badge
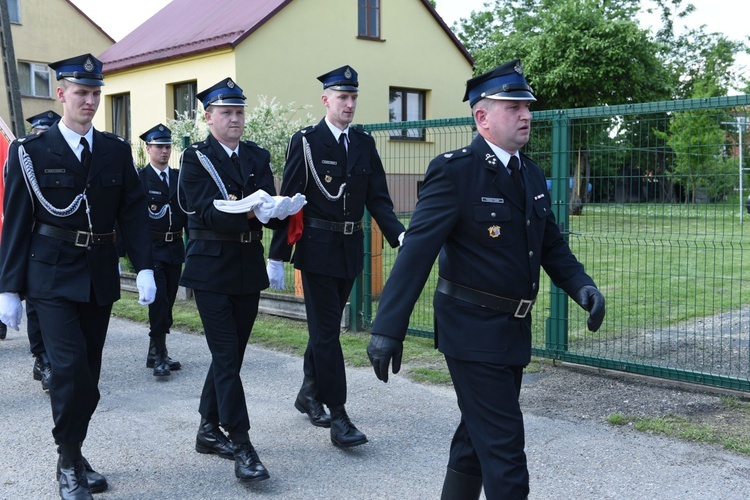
(518, 69)
(230, 84)
(161, 128)
(328, 178)
(50, 115)
(490, 158)
(494, 231)
(88, 65)
(348, 73)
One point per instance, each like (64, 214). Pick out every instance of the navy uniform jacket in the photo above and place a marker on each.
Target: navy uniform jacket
(45, 267)
(327, 252)
(157, 195)
(488, 239)
(226, 267)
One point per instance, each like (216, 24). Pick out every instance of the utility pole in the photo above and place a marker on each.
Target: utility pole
(11, 72)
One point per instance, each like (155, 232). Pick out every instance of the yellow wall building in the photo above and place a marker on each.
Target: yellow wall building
(46, 31)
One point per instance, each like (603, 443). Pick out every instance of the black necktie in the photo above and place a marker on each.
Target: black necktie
(236, 161)
(163, 176)
(515, 174)
(85, 154)
(342, 143)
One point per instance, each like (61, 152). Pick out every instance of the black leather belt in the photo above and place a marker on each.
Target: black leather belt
(168, 236)
(519, 308)
(339, 227)
(247, 237)
(78, 238)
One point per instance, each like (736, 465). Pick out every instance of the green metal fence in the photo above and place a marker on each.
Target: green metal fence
(652, 199)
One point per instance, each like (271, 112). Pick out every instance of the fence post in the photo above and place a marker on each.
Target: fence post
(557, 322)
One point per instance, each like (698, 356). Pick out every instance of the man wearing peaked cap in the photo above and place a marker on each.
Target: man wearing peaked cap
(485, 210)
(224, 267)
(42, 121)
(83, 70)
(167, 220)
(58, 251)
(346, 176)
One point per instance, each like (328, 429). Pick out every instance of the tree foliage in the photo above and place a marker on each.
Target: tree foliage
(580, 53)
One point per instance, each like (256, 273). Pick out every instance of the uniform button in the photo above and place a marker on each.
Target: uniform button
(88, 185)
(528, 222)
(57, 182)
(533, 286)
(531, 254)
(493, 214)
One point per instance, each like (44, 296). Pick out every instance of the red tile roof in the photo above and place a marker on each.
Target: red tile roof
(185, 27)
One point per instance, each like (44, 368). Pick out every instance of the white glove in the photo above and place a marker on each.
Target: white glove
(119, 269)
(401, 239)
(282, 208)
(11, 310)
(244, 205)
(275, 270)
(146, 286)
(298, 201)
(264, 212)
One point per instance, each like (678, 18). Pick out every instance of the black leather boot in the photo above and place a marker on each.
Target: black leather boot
(42, 369)
(306, 403)
(173, 364)
(247, 465)
(343, 432)
(211, 439)
(96, 482)
(458, 486)
(3, 330)
(72, 473)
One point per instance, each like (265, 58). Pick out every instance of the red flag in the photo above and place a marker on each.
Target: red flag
(294, 229)
(6, 137)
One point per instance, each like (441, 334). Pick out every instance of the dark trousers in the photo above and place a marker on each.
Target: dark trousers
(36, 343)
(74, 334)
(489, 441)
(167, 278)
(325, 299)
(227, 323)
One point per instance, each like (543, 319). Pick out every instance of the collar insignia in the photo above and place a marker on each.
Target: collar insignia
(491, 159)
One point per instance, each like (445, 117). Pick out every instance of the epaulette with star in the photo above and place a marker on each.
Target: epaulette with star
(308, 130)
(27, 138)
(458, 153)
(114, 137)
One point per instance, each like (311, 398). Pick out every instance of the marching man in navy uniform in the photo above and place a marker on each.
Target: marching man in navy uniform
(58, 252)
(167, 222)
(339, 170)
(225, 266)
(485, 210)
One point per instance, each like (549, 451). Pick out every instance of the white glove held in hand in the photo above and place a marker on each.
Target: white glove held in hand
(146, 286)
(401, 239)
(11, 310)
(275, 270)
(280, 207)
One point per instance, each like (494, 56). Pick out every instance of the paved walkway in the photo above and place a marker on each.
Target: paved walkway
(142, 436)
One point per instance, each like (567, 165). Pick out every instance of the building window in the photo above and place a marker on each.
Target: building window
(121, 115)
(34, 80)
(369, 19)
(407, 105)
(184, 100)
(14, 11)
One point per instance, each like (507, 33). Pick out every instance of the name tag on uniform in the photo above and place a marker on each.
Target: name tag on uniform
(55, 170)
(153, 192)
(329, 162)
(492, 200)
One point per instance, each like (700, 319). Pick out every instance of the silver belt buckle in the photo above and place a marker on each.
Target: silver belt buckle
(168, 236)
(246, 237)
(524, 306)
(348, 227)
(85, 242)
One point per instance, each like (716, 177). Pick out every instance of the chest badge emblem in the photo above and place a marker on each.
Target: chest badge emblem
(232, 197)
(494, 231)
(154, 208)
(328, 178)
